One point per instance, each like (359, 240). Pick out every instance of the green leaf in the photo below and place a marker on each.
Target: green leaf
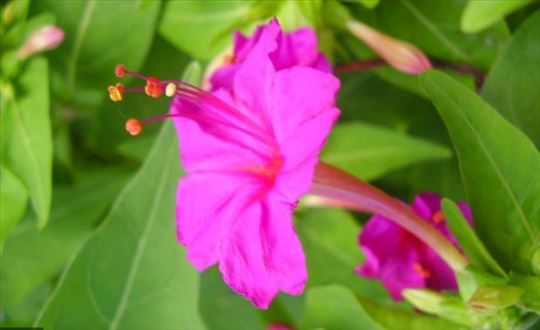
(434, 27)
(467, 239)
(370, 152)
(12, 193)
(531, 290)
(480, 14)
(193, 26)
(500, 168)
(335, 307)
(432, 302)
(495, 297)
(26, 135)
(330, 240)
(511, 86)
(31, 258)
(132, 274)
(221, 308)
(392, 317)
(99, 35)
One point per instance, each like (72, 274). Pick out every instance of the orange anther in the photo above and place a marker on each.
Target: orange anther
(438, 217)
(421, 270)
(228, 59)
(115, 92)
(153, 87)
(120, 70)
(133, 126)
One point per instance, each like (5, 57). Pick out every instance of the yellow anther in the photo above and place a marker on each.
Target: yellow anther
(115, 92)
(170, 90)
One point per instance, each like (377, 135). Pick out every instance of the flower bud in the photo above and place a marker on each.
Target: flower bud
(435, 303)
(399, 54)
(48, 37)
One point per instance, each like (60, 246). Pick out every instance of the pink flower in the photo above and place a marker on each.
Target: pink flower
(399, 259)
(249, 150)
(48, 37)
(398, 53)
(298, 48)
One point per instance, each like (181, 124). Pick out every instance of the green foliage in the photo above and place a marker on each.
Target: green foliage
(26, 136)
(500, 168)
(195, 26)
(467, 239)
(132, 271)
(511, 86)
(64, 150)
(12, 193)
(32, 258)
(369, 151)
(434, 27)
(99, 35)
(334, 307)
(479, 14)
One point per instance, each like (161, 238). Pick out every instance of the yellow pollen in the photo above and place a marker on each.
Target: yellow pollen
(170, 90)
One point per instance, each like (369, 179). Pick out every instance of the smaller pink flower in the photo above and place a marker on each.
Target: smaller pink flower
(48, 37)
(399, 259)
(298, 48)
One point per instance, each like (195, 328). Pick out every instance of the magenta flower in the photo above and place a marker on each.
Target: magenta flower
(249, 150)
(399, 259)
(298, 48)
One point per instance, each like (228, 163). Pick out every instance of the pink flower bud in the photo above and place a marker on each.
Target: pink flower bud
(399, 54)
(48, 37)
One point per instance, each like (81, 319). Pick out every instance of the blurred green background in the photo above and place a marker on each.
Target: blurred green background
(87, 222)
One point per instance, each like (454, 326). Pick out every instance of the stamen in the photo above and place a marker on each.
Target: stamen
(133, 126)
(153, 87)
(116, 91)
(438, 217)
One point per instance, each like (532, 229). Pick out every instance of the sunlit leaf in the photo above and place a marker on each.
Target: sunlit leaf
(13, 193)
(512, 84)
(26, 135)
(132, 274)
(500, 168)
(480, 14)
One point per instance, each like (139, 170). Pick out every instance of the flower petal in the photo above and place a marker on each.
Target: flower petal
(263, 255)
(206, 205)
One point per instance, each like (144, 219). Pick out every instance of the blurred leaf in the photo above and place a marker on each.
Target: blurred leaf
(334, 307)
(107, 128)
(33, 257)
(500, 168)
(531, 290)
(467, 239)
(480, 14)
(434, 27)
(330, 241)
(132, 274)
(99, 34)
(512, 84)
(490, 298)
(193, 26)
(26, 131)
(221, 308)
(13, 198)
(370, 4)
(369, 151)
(393, 318)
